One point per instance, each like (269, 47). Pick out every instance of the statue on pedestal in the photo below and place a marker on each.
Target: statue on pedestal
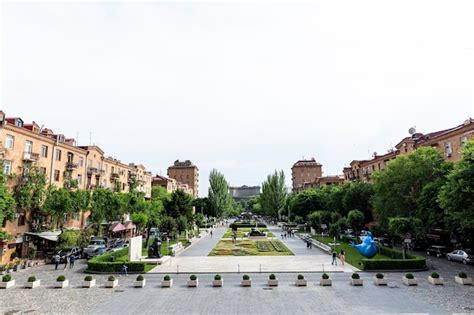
(154, 250)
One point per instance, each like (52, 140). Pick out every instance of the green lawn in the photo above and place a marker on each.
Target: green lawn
(250, 248)
(353, 257)
(242, 231)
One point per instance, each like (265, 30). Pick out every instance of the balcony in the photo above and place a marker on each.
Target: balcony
(30, 157)
(114, 175)
(71, 166)
(92, 170)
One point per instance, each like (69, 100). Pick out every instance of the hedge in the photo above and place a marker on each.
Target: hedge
(391, 253)
(246, 225)
(414, 262)
(107, 263)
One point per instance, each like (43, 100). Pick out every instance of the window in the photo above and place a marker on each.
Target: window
(28, 146)
(89, 163)
(70, 157)
(7, 167)
(448, 150)
(463, 141)
(21, 219)
(42, 170)
(56, 175)
(44, 151)
(79, 180)
(80, 161)
(19, 123)
(106, 167)
(57, 155)
(9, 142)
(97, 165)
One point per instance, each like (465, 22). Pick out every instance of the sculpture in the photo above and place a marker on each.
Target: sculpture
(154, 250)
(367, 248)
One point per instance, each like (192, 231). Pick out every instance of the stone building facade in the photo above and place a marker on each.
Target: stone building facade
(185, 172)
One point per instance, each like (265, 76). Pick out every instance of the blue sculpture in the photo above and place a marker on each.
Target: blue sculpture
(367, 248)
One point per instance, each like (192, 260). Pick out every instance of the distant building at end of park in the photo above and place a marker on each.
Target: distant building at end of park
(244, 192)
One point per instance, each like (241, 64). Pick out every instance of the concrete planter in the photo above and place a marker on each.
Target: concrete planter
(325, 282)
(409, 282)
(378, 281)
(111, 284)
(218, 283)
(246, 283)
(463, 281)
(139, 284)
(61, 284)
(301, 282)
(88, 284)
(273, 283)
(356, 282)
(6, 285)
(193, 283)
(167, 283)
(435, 281)
(32, 285)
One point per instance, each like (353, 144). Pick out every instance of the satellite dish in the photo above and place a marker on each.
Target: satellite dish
(412, 130)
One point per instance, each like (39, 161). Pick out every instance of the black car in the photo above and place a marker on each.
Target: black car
(437, 250)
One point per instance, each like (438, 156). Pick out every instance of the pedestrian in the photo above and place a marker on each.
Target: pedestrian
(342, 257)
(307, 244)
(56, 259)
(66, 260)
(281, 235)
(211, 233)
(72, 259)
(310, 245)
(334, 258)
(123, 269)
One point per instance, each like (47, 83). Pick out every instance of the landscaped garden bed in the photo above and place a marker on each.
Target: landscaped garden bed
(242, 232)
(250, 248)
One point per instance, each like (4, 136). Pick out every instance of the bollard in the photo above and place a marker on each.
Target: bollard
(177, 269)
(238, 268)
(260, 268)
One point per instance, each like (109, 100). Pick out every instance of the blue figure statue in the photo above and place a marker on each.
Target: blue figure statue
(367, 248)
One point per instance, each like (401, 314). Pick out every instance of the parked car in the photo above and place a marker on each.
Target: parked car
(94, 245)
(117, 247)
(464, 256)
(383, 241)
(436, 250)
(68, 252)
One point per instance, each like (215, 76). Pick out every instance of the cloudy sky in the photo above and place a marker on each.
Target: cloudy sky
(246, 88)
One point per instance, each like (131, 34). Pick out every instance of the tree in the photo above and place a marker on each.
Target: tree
(181, 224)
(106, 206)
(358, 196)
(58, 205)
(179, 204)
(355, 219)
(305, 202)
(457, 195)
(220, 200)
(317, 218)
(30, 191)
(273, 195)
(168, 225)
(140, 219)
(400, 226)
(68, 239)
(7, 202)
(254, 205)
(202, 206)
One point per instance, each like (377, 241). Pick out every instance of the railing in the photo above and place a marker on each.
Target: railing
(92, 170)
(30, 156)
(71, 165)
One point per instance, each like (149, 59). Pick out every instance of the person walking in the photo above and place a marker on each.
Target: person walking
(57, 259)
(72, 259)
(334, 258)
(211, 233)
(123, 269)
(66, 260)
(342, 257)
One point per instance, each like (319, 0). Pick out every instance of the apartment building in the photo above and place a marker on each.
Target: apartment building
(448, 142)
(185, 173)
(304, 172)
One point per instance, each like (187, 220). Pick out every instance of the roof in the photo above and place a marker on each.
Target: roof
(183, 164)
(311, 162)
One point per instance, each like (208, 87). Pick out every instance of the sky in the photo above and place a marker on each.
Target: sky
(243, 87)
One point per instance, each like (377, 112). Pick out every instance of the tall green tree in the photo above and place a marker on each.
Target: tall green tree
(358, 196)
(273, 195)
(58, 205)
(305, 202)
(180, 204)
(219, 198)
(30, 190)
(457, 195)
(355, 219)
(7, 203)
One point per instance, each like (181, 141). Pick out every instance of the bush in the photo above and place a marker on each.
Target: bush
(61, 278)
(217, 277)
(139, 278)
(246, 225)
(355, 275)
(6, 278)
(193, 278)
(111, 278)
(167, 278)
(379, 276)
(409, 276)
(462, 275)
(300, 277)
(31, 279)
(325, 276)
(88, 278)
(246, 277)
(434, 275)
(391, 253)
(414, 263)
(272, 277)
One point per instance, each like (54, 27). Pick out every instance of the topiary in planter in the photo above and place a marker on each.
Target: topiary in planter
(300, 277)
(434, 275)
(217, 277)
(379, 276)
(61, 278)
(409, 276)
(355, 276)
(111, 278)
(31, 279)
(6, 278)
(461, 275)
(272, 277)
(192, 277)
(246, 277)
(139, 278)
(167, 278)
(88, 278)
(325, 276)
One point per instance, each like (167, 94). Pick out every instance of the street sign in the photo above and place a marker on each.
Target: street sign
(408, 240)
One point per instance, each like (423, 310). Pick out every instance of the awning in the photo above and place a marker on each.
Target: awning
(117, 227)
(49, 235)
(129, 225)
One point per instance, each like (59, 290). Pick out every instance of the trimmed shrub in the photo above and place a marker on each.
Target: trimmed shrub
(325, 276)
(435, 275)
(88, 278)
(409, 276)
(140, 278)
(192, 277)
(246, 225)
(413, 263)
(272, 277)
(462, 275)
(217, 277)
(31, 279)
(300, 277)
(355, 275)
(111, 278)
(379, 276)
(6, 278)
(246, 277)
(167, 278)
(100, 266)
(61, 278)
